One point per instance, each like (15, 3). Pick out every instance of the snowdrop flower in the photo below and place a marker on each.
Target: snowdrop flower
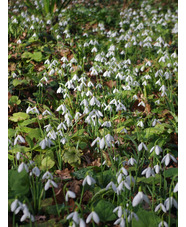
(131, 161)
(157, 149)
(50, 182)
(160, 206)
(19, 139)
(119, 211)
(163, 224)
(155, 122)
(139, 197)
(77, 115)
(124, 171)
(46, 112)
(18, 155)
(26, 214)
(89, 180)
(47, 175)
(169, 202)
(94, 101)
(167, 159)
(141, 104)
(140, 123)
(148, 172)
(96, 140)
(131, 215)
(120, 221)
(120, 106)
(93, 215)
(21, 167)
(81, 223)
(63, 108)
(74, 215)
(19, 41)
(141, 146)
(94, 50)
(175, 188)
(45, 142)
(111, 184)
(35, 171)
(15, 204)
(157, 168)
(69, 194)
(61, 125)
(106, 124)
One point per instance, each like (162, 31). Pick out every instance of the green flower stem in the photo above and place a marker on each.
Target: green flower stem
(58, 212)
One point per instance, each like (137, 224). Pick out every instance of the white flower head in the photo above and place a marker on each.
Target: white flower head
(93, 215)
(50, 182)
(157, 149)
(160, 206)
(89, 180)
(166, 159)
(21, 167)
(69, 194)
(163, 223)
(148, 172)
(139, 197)
(169, 202)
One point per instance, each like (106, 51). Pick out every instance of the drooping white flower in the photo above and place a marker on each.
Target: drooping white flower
(69, 194)
(131, 161)
(139, 197)
(167, 159)
(169, 202)
(111, 184)
(140, 123)
(47, 175)
(35, 171)
(93, 215)
(74, 215)
(148, 172)
(131, 215)
(157, 149)
(163, 224)
(50, 182)
(157, 168)
(175, 188)
(120, 221)
(160, 206)
(19, 139)
(141, 146)
(21, 167)
(14, 205)
(96, 140)
(89, 180)
(119, 211)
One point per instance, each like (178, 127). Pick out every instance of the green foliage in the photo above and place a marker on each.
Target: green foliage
(20, 116)
(105, 211)
(18, 183)
(146, 219)
(72, 156)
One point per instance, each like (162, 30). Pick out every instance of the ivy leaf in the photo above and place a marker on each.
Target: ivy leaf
(17, 82)
(37, 56)
(105, 211)
(146, 219)
(18, 183)
(14, 100)
(72, 156)
(47, 163)
(20, 116)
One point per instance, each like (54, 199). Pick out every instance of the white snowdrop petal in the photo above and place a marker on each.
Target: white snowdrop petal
(89, 218)
(47, 185)
(95, 217)
(137, 199)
